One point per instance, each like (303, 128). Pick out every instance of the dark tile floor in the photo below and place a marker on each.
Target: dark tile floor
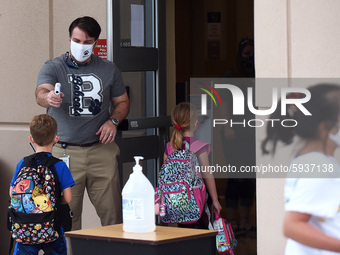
(247, 242)
(246, 245)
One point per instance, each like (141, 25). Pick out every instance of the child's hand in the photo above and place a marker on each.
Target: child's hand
(217, 206)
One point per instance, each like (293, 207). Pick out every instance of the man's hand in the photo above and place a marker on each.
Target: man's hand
(45, 96)
(107, 132)
(53, 100)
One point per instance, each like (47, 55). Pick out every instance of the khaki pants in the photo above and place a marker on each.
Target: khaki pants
(96, 169)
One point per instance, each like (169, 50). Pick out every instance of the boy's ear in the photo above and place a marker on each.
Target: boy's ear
(31, 139)
(56, 139)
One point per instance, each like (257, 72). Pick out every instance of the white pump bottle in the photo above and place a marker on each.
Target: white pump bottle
(138, 202)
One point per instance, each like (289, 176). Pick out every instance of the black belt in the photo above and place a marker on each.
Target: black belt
(64, 144)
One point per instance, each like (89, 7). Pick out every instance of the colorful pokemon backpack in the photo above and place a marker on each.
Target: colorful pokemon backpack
(181, 191)
(32, 215)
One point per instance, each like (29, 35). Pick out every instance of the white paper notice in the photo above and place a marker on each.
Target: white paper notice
(137, 25)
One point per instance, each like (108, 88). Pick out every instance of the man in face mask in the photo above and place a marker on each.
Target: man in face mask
(92, 103)
(82, 45)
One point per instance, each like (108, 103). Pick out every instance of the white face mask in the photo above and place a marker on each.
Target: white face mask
(81, 52)
(336, 137)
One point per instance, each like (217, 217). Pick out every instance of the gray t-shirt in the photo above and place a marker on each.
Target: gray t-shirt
(88, 91)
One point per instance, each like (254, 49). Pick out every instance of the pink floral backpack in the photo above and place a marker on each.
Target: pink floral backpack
(181, 191)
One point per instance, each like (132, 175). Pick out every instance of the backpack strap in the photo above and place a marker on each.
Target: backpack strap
(51, 161)
(28, 160)
(194, 147)
(197, 145)
(170, 150)
(168, 146)
(31, 159)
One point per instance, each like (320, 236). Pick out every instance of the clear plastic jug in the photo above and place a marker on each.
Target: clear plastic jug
(138, 202)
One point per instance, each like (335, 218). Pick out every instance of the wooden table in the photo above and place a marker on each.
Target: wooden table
(164, 240)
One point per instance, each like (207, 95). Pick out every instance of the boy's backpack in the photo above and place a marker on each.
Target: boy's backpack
(181, 190)
(33, 214)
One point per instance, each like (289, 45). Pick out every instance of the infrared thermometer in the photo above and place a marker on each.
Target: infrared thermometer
(57, 89)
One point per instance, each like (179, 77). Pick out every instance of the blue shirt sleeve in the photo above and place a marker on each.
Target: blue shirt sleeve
(17, 169)
(64, 175)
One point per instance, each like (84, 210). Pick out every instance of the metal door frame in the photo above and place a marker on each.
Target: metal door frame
(136, 59)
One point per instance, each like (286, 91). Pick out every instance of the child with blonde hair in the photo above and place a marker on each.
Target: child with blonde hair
(184, 118)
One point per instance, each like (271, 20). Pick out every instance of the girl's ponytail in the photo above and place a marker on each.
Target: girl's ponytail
(177, 138)
(182, 117)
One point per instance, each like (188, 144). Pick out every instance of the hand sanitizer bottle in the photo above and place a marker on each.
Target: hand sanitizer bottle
(138, 202)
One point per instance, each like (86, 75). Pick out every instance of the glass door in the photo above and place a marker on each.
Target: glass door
(136, 43)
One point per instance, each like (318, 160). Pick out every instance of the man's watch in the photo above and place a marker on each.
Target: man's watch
(115, 121)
